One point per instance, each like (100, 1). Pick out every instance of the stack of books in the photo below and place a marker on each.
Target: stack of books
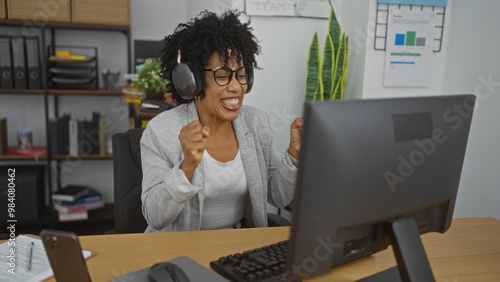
(73, 202)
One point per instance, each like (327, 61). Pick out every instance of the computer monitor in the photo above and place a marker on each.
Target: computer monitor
(144, 49)
(374, 173)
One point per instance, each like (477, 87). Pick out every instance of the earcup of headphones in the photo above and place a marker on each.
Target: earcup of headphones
(185, 82)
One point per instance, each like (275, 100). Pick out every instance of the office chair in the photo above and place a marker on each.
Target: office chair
(127, 177)
(127, 185)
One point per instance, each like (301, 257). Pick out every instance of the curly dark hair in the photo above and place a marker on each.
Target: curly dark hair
(201, 37)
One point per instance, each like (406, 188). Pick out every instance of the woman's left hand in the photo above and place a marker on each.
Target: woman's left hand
(295, 137)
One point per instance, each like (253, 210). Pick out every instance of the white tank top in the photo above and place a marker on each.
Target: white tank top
(225, 190)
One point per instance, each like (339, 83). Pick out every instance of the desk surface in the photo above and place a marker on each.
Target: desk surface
(468, 251)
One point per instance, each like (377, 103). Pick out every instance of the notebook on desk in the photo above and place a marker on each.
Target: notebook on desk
(194, 271)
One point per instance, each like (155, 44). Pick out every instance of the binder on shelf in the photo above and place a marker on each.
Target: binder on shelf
(73, 137)
(89, 141)
(102, 136)
(3, 137)
(63, 134)
(66, 119)
(54, 139)
(82, 146)
(33, 63)
(6, 78)
(19, 62)
(95, 133)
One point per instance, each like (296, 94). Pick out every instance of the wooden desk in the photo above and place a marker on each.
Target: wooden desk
(469, 251)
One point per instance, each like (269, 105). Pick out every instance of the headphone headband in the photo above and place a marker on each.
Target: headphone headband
(178, 56)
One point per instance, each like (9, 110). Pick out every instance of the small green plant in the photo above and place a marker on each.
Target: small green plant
(149, 80)
(326, 79)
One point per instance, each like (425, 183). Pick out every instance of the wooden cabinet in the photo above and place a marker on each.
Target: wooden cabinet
(2, 9)
(112, 12)
(97, 12)
(39, 11)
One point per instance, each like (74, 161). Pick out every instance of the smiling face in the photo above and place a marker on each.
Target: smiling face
(221, 103)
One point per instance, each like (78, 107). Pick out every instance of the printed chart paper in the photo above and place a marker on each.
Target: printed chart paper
(408, 57)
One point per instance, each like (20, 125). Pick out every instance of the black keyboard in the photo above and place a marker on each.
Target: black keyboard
(265, 264)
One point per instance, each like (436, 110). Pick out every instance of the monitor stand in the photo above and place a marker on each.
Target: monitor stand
(409, 251)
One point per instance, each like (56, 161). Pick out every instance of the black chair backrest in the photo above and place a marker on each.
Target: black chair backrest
(127, 181)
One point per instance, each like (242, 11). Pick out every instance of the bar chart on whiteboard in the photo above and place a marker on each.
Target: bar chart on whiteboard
(408, 58)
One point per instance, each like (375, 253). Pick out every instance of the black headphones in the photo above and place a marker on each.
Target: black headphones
(187, 84)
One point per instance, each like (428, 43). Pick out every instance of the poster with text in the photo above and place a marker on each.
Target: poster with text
(270, 7)
(408, 57)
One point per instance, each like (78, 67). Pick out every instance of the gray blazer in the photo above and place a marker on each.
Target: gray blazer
(171, 203)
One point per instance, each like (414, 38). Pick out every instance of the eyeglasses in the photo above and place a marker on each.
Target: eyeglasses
(224, 75)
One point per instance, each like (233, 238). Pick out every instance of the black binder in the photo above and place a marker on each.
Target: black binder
(6, 80)
(33, 63)
(19, 62)
(3, 136)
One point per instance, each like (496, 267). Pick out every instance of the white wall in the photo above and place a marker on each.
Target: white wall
(154, 19)
(355, 22)
(471, 60)
(194, 7)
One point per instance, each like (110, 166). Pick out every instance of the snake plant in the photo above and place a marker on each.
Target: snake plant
(326, 79)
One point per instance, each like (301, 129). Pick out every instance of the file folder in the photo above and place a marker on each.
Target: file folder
(19, 62)
(6, 80)
(3, 136)
(33, 63)
(54, 137)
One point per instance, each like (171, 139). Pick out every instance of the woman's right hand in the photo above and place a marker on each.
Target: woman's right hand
(193, 139)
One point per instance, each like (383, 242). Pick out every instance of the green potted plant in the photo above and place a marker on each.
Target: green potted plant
(149, 80)
(326, 79)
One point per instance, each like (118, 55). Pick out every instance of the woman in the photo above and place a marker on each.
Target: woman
(209, 163)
